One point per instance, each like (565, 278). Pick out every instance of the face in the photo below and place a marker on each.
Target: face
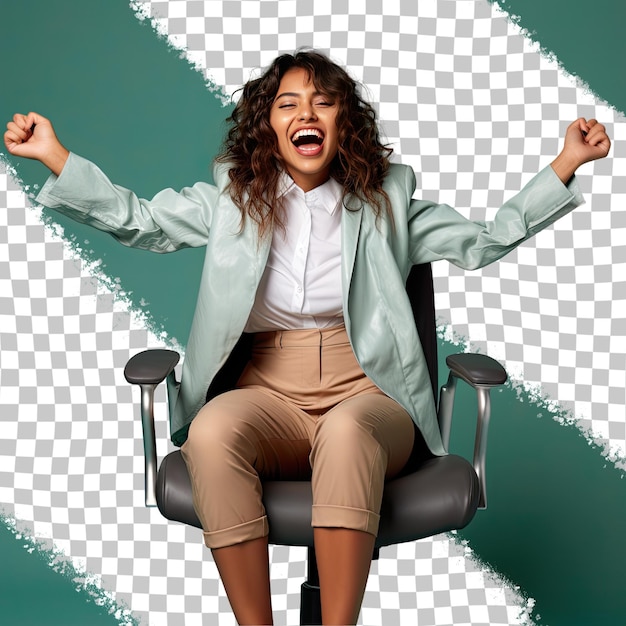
(304, 121)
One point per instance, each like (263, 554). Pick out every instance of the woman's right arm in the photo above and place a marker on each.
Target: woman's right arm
(79, 189)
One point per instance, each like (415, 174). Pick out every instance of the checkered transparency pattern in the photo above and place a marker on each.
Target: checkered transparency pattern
(474, 108)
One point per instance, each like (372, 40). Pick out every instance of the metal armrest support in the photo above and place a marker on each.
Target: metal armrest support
(482, 373)
(147, 369)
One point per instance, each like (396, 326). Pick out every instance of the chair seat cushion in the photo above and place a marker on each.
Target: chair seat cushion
(440, 495)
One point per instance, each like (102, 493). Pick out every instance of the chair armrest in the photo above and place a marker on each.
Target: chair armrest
(482, 373)
(477, 369)
(147, 369)
(150, 366)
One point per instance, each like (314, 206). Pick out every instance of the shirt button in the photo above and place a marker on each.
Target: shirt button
(299, 289)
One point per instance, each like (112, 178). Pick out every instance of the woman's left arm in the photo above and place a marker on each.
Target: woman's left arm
(437, 231)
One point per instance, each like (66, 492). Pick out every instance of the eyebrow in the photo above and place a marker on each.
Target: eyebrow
(294, 94)
(291, 94)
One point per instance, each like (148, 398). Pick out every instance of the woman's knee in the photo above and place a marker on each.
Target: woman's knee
(344, 442)
(347, 428)
(217, 430)
(371, 429)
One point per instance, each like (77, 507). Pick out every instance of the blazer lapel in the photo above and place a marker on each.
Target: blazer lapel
(351, 217)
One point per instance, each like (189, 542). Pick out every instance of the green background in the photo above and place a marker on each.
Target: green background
(119, 96)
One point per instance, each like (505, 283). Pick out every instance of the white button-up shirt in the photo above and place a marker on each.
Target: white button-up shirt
(301, 285)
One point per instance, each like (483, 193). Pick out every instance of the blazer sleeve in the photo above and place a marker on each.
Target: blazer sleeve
(171, 220)
(437, 231)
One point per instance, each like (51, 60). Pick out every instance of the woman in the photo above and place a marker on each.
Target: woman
(310, 235)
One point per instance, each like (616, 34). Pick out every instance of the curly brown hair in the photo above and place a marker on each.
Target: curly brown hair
(251, 145)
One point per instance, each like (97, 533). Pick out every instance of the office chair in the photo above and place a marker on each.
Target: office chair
(432, 495)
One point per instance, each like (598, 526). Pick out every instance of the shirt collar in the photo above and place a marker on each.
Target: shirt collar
(328, 195)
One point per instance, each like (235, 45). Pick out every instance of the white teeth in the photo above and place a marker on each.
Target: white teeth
(306, 132)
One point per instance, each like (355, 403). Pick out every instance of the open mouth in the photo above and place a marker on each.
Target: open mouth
(308, 140)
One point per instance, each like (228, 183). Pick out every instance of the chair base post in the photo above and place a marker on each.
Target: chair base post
(310, 605)
(310, 600)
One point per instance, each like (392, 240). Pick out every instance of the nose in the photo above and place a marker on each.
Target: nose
(306, 113)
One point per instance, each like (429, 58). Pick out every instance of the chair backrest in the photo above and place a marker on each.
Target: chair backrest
(419, 287)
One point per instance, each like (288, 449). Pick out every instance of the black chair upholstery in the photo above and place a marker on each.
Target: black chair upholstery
(432, 495)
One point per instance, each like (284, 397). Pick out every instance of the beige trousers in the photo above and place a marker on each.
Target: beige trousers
(302, 408)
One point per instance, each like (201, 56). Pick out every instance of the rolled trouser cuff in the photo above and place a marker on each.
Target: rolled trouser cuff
(332, 516)
(247, 531)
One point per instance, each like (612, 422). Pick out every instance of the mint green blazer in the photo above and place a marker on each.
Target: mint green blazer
(376, 259)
